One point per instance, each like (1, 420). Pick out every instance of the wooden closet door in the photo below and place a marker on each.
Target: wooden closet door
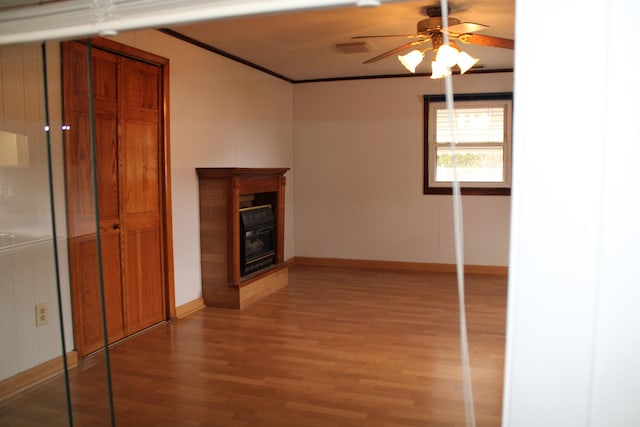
(81, 216)
(128, 123)
(140, 189)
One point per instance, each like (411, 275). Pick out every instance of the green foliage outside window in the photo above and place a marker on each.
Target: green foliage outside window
(467, 160)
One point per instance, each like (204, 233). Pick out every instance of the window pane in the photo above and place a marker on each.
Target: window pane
(473, 125)
(482, 164)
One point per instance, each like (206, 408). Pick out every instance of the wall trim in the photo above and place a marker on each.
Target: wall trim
(190, 307)
(396, 76)
(31, 377)
(401, 265)
(221, 52)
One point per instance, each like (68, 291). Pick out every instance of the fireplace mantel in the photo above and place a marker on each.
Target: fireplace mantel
(222, 190)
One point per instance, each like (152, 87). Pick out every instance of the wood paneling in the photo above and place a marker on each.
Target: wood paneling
(337, 347)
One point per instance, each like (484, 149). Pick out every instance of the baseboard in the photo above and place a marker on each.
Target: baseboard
(36, 375)
(189, 308)
(400, 265)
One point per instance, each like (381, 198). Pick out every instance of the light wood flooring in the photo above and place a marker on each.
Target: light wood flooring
(337, 347)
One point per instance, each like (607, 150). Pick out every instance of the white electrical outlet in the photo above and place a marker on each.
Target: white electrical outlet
(42, 314)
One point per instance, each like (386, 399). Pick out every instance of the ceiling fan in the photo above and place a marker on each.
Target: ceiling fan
(433, 29)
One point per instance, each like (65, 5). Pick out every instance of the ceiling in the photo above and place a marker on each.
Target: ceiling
(301, 46)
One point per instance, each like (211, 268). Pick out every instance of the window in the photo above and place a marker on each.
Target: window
(483, 150)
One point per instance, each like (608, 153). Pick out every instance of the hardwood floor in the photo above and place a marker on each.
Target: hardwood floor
(338, 347)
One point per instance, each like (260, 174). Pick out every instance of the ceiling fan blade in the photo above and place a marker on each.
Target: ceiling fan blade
(409, 36)
(396, 50)
(486, 41)
(465, 27)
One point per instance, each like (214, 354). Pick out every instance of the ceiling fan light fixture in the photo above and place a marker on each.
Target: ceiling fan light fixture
(436, 29)
(412, 59)
(447, 55)
(466, 61)
(439, 70)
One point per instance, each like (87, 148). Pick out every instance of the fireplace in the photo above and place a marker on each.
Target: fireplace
(253, 239)
(257, 239)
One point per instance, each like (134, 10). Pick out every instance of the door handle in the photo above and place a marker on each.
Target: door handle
(115, 226)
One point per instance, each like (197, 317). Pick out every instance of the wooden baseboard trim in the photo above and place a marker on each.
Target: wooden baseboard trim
(400, 265)
(24, 380)
(190, 307)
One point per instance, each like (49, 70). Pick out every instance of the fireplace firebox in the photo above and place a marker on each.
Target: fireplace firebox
(257, 249)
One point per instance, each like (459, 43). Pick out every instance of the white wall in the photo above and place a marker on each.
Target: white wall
(223, 114)
(28, 278)
(573, 352)
(27, 271)
(24, 194)
(359, 176)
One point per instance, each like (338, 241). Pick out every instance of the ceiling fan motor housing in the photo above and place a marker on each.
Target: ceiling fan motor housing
(435, 24)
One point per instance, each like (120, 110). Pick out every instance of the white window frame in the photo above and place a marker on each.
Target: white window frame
(432, 103)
